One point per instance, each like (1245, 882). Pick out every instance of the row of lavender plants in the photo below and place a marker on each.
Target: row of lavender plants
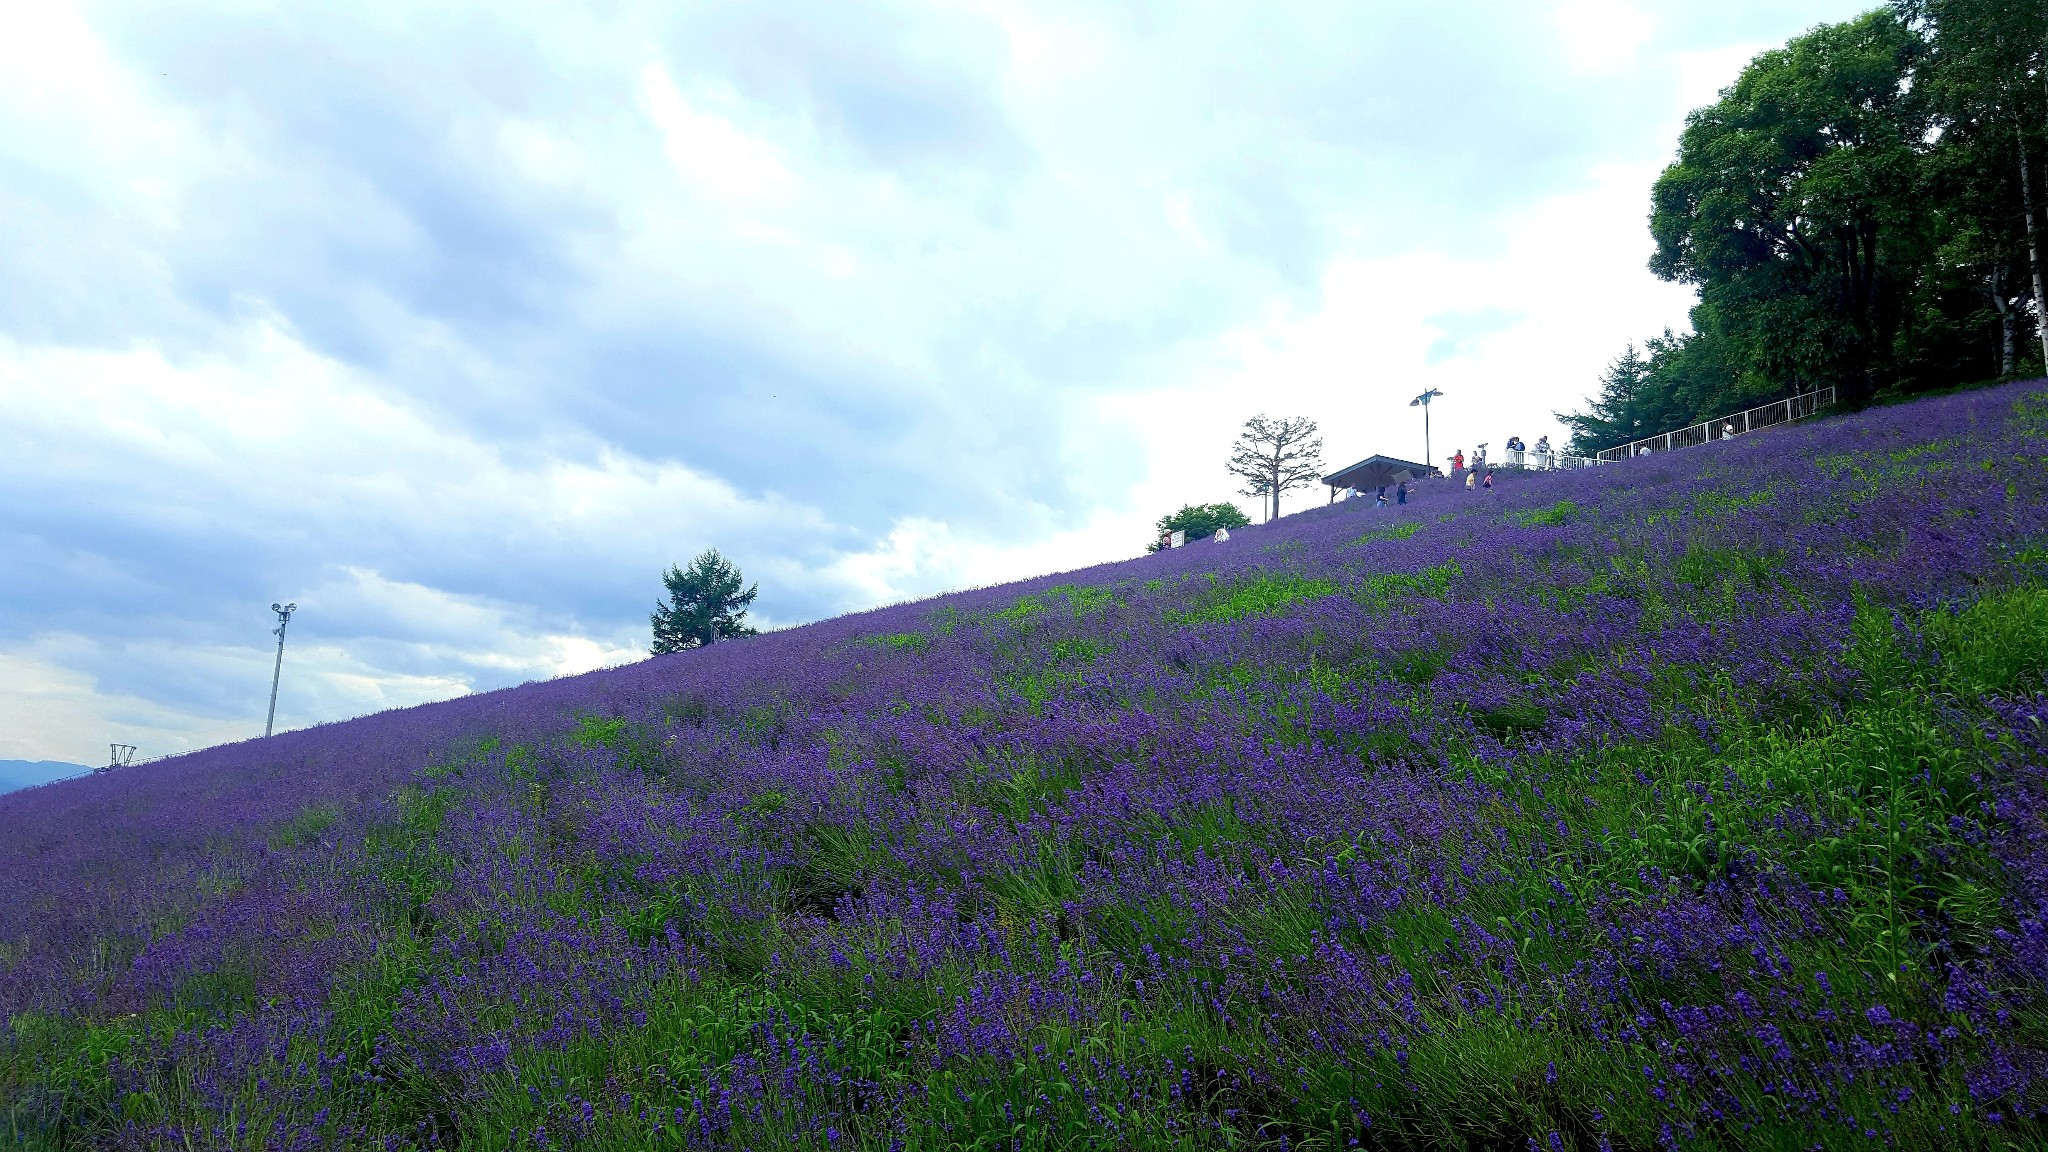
(1696, 801)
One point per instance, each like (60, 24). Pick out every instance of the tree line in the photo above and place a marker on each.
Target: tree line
(1859, 210)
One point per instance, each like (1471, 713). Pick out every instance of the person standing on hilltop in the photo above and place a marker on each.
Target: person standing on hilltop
(1457, 461)
(1401, 493)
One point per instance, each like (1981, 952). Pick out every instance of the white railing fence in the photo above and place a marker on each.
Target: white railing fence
(1785, 411)
(1541, 459)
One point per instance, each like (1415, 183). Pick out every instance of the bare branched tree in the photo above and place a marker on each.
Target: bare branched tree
(1274, 457)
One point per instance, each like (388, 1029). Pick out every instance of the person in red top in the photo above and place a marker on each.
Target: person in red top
(1458, 461)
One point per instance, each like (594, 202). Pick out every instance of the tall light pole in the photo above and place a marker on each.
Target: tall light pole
(284, 617)
(1422, 402)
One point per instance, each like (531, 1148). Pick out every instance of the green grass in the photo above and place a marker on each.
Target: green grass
(904, 641)
(306, 828)
(1075, 600)
(1384, 590)
(1557, 515)
(1397, 532)
(1263, 595)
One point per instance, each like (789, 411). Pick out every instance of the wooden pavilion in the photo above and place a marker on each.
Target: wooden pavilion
(1374, 471)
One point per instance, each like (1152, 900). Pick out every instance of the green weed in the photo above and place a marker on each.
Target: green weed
(1556, 516)
(1261, 595)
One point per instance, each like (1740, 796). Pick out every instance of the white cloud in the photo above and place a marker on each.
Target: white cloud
(709, 151)
(267, 435)
(1600, 34)
(1702, 75)
(51, 710)
(1574, 291)
(459, 325)
(48, 711)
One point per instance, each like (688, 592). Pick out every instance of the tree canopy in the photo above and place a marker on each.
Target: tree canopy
(1274, 457)
(1854, 211)
(1199, 521)
(705, 605)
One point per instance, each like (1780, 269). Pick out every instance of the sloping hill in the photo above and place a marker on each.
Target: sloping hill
(16, 774)
(1696, 800)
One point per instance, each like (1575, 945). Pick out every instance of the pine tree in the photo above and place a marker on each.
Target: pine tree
(705, 605)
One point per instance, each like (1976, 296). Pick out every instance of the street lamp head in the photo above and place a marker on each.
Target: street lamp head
(1424, 399)
(276, 607)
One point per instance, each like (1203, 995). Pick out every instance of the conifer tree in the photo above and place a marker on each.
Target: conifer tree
(705, 605)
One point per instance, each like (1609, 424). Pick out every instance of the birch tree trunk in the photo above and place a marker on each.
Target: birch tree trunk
(2034, 248)
(2006, 324)
(2027, 200)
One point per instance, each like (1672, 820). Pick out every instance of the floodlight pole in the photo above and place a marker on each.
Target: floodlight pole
(1422, 401)
(284, 617)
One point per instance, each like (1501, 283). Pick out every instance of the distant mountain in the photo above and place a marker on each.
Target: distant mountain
(16, 774)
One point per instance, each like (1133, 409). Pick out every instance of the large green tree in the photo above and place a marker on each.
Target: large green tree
(1860, 210)
(705, 604)
(1795, 206)
(1987, 82)
(1199, 521)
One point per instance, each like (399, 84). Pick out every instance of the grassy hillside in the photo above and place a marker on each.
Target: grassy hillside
(1695, 801)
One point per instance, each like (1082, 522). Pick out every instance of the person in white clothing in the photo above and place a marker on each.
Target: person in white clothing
(1222, 535)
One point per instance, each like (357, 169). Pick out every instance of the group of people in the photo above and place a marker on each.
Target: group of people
(1379, 497)
(1478, 476)
(1472, 479)
(1518, 453)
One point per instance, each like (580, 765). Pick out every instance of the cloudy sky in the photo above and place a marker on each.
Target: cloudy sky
(457, 323)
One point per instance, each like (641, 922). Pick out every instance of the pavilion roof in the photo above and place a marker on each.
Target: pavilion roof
(1374, 471)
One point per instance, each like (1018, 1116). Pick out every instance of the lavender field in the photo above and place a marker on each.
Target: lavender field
(1696, 801)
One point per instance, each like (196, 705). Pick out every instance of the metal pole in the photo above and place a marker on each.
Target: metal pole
(284, 618)
(1422, 402)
